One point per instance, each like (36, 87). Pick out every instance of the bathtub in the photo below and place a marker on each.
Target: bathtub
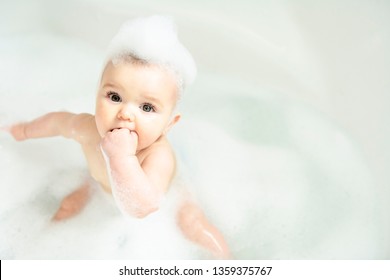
(283, 137)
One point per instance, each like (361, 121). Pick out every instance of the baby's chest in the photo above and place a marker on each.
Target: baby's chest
(97, 166)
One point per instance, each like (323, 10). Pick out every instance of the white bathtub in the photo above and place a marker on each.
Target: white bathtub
(283, 135)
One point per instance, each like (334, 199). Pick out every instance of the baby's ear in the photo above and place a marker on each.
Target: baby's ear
(173, 121)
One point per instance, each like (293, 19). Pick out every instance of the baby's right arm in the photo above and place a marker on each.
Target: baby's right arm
(52, 124)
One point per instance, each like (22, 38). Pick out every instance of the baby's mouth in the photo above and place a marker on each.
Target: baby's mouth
(119, 128)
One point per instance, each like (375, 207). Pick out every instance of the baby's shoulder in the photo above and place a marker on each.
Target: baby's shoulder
(160, 150)
(160, 162)
(85, 119)
(84, 127)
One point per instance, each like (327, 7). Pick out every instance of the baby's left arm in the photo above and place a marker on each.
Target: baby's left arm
(137, 189)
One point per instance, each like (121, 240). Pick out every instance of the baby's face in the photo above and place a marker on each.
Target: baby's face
(140, 98)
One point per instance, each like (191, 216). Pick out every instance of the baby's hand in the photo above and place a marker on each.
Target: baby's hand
(119, 143)
(16, 130)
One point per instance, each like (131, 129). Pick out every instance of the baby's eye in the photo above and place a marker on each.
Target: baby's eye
(147, 108)
(114, 97)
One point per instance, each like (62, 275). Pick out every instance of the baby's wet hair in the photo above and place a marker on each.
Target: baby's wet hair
(128, 57)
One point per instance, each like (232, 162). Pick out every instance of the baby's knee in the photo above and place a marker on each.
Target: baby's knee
(189, 216)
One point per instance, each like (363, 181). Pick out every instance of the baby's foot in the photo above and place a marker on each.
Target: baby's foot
(73, 203)
(197, 228)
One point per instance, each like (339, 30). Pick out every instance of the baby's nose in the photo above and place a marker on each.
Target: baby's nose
(126, 114)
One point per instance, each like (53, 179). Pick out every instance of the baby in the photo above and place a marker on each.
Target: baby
(125, 142)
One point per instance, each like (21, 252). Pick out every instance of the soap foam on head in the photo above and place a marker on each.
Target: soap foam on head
(154, 40)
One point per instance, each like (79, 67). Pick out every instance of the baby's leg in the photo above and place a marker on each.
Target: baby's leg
(197, 228)
(73, 203)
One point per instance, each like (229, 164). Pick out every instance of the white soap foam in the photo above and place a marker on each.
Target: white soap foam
(154, 39)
